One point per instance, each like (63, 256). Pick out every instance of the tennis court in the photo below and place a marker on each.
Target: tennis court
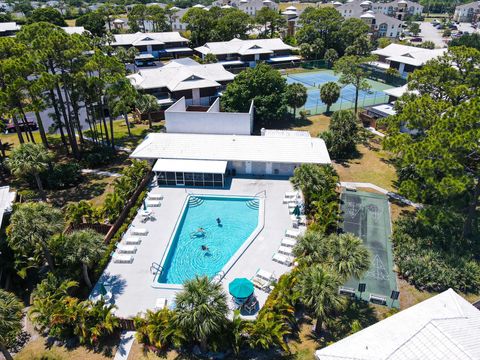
(313, 80)
(367, 215)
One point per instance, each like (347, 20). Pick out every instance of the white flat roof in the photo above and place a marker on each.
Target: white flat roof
(399, 91)
(386, 109)
(445, 326)
(194, 166)
(290, 149)
(284, 58)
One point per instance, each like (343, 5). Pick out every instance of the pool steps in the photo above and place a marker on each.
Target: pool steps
(253, 204)
(194, 201)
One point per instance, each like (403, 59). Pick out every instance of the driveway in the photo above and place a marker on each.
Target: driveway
(429, 33)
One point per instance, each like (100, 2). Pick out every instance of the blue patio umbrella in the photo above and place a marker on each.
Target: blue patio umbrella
(296, 211)
(103, 290)
(240, 288)
(144, 205)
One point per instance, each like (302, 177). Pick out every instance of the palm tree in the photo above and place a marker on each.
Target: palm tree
(147, 104)
(329, 93)
(113, 206)
(319, 292)
(95, 320)
(30, 159)
(201, 310)
(350, 256)
(295, 96)
(268, 331)
(32, 226)
(157, 329)
(10, 320)
(85, 247)
(80, 212)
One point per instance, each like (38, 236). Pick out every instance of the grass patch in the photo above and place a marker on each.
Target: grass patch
(38, 349)
(371, 165)
(70, 22)
(12, 140)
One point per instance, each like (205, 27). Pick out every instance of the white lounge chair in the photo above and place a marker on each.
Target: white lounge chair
(126, 249)
(300, 220)
(122, 258)
(263, 279)
(289, 242)
(291, 194)
(138, 231)
(293, 233)
(155, 196)
(135, 240)
(283, 259)
(152, 203)
(292, 205)
(285, 250)
(161, 303)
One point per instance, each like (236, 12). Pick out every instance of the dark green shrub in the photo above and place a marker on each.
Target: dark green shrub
(62, 176)
(98, 156)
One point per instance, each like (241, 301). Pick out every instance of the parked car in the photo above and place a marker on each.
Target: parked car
(416, 39)
(453, 27)
(10, 128)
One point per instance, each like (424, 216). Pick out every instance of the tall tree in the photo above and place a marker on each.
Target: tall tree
(10, 321)
(85, 248)
(319, 289)
(148, 103)
(351, 72)
(30, 159)
(331, 55)
(343, 134)
(31, 228)
(262, 84)
(200, 23)
(201, 310)
(93, 21)
(47, 14)
(271, 20)
(295, 96)
(137, 18)
(329, 94)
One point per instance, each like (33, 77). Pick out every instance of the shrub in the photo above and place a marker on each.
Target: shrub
(98, 156)
(28, 195)
(62, 176)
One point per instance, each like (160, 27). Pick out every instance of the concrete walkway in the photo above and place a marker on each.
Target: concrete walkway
(390, 194)
(100, 172)
(125, 345)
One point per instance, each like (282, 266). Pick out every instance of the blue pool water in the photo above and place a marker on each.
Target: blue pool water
(186, 258)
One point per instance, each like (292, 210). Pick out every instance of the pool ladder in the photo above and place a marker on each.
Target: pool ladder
(253, 204)
(155, 268)
(194, 201)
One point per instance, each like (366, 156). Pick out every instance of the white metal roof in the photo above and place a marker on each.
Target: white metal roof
(153, 38)
(408, 54)
(284, 58)
(285, 133)
(6, 201)
(243, 47)
(444, 327)
(194, 166)
(385, 109)
(74, 29)
(399, 91)
(9, 26)
(233, 147)
(177, 75)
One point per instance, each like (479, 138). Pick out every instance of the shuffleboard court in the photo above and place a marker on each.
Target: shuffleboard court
(367, 215)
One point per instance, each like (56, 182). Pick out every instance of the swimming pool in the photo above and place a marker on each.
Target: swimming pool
(201, 246)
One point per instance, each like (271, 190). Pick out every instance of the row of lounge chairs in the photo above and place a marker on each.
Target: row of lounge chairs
(284, 254)
(128, 247)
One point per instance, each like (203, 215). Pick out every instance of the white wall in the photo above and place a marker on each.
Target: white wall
(178, 120)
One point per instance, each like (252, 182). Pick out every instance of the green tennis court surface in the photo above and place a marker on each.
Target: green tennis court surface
(313, 81)
(367, 215)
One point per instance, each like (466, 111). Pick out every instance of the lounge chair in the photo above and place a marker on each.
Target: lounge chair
(155, 196)
(283, 259)
(285, 250)
(126, 249)
(161, 303)
(133, 240)
(251, 305)
(152, 203)
(122, 258)
(293, 233)
(290, 242)
(292, 205)
(138, 231)
(300, 220)
(291, 194)
(263, 279)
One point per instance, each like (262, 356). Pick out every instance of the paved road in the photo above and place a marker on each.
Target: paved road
(429, 33)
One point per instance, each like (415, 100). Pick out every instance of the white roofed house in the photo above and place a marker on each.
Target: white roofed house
(160, 44)
(405, 58)
(444, 327)
(204, 159)
(200, 84)
(467, 12)
(9, 28)
(238, 52)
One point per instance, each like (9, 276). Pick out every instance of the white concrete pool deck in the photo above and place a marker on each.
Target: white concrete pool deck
(131, 283)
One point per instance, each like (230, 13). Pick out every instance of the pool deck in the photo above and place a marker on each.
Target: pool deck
(131, 283)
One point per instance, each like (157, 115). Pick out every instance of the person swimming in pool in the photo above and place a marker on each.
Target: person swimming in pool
(219, 222)
(205, 248)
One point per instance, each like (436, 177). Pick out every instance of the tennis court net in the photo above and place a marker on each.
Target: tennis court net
(302, 79)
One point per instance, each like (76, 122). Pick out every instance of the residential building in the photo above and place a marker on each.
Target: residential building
(74, 30)
(445, 326)
(250, 7)
(199, 84)
(399, 9)
(381, 25)
(238, 52)
(204, 159)
(9, 28)
(180, 118)
(467, 12)
(404, 58)
(7, 198)
(160, 44)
